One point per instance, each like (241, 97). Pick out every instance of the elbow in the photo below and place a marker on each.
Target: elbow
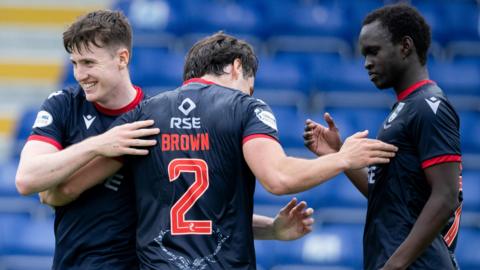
(278, 185)
(23, 184)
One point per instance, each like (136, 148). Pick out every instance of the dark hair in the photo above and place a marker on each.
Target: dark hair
(403, 20)
(211, 54)
(102, 28)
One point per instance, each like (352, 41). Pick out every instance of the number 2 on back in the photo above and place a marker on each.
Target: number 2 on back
(177, 214)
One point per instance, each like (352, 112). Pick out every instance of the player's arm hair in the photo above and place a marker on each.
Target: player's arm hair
(443, 201)
(359, 179)
(94, 173)
(43, 166)
(280, 174)
(262, 227)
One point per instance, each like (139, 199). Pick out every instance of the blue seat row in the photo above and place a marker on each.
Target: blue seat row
(340, 19)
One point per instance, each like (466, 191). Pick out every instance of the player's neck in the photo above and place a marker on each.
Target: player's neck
(411, 76)
(123, 95)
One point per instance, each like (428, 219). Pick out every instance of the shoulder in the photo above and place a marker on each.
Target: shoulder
(431, 107)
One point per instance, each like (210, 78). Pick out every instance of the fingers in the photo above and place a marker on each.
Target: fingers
(360, 135)
(144, 132)
(328, 118)
(139, 124)
(134, 151)
(287, 208)
(140, 143)
(298, 209)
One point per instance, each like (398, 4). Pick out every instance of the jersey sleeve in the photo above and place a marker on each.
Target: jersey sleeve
(50, 122)
(259, 120)
(435, 130)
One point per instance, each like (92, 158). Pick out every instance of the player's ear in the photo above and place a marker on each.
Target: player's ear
(124, 57)
(237, 70)
(407, 46)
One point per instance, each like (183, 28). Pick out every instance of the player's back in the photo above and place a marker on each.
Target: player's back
(195, 190)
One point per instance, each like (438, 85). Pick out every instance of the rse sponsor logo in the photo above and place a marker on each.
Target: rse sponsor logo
(43, 119)
(185, 123)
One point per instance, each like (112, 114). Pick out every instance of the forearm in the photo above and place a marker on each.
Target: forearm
(43, 171)
(297, 175)
(94, 173)
(359, 179)
(432, 219)
(262, 227)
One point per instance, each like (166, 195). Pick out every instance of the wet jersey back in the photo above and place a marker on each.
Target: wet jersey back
(97, 230)
(194, 190)
(425, 128)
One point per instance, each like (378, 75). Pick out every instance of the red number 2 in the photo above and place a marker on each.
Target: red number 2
(177, 214)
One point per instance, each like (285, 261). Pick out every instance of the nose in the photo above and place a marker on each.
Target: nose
(368, 63)
(79, 73)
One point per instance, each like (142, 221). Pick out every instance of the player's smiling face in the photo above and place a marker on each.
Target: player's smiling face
(98, 72)
(382, 57)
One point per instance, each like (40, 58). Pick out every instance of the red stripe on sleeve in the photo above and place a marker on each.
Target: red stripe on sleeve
(45, 139)
(254, 136)
(441, 159)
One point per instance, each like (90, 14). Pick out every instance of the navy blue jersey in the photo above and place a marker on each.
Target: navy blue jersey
(425, 128)
(194, 190)
(96, 231)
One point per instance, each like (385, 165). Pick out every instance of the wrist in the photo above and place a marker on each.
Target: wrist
(342, 161)
(91, 146)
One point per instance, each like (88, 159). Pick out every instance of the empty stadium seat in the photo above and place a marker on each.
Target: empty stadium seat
(457, 77)
(332, 245)
(230, 16)
(467, 248)
(471, 189)
(29, 237)
(23, 130)
(151, 68)
(469, 130)
(290, 123)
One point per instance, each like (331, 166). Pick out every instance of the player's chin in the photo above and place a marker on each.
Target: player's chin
(381, 84)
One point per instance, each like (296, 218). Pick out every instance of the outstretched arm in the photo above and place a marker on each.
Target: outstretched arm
(42, 166)
(292, 222)
(322, 140)
(281, 174)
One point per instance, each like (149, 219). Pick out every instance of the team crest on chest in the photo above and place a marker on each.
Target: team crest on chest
(394, 115)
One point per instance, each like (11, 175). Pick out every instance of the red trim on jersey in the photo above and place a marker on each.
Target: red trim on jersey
(402, 95)
(453, 231)
(441, 159)
(125, 109)
(45, 139)
(197, 80)
(255, 136)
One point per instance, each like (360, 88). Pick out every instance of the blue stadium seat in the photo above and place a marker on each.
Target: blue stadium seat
(457, 78)
(462, 18)
(8, 170)
(281, 74)
(290, 123)
(230, 16)
(307, 18)
(471, 189)
(23, 130)
(467, 248)
(29, 237)
(332, 245)
(469, 130)
(151, 68)
(153, 17)
(342, 76)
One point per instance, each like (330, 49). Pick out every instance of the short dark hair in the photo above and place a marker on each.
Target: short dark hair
(102, 28)
(211, 54)
(403, 20)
